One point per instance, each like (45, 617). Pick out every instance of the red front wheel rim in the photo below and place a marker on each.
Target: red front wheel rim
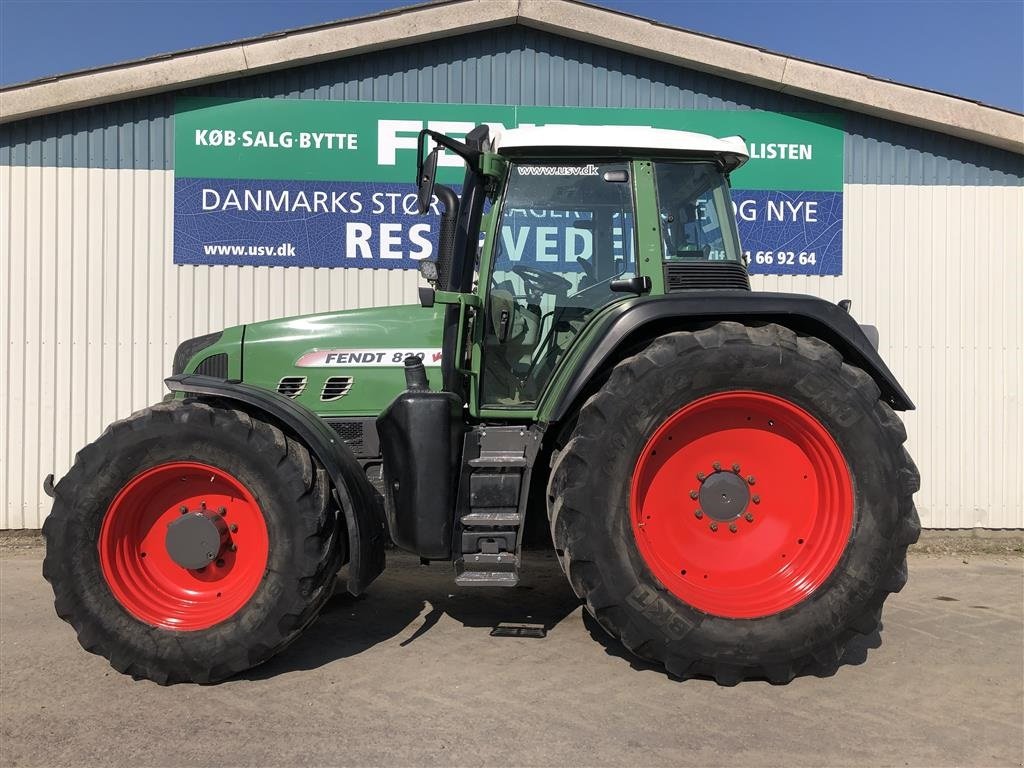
(139, 569)
(741, 504)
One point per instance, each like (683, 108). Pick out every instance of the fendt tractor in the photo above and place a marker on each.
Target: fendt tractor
(722, 469)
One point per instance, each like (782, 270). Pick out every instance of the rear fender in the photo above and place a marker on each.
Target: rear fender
(628, 322)
(356, 498)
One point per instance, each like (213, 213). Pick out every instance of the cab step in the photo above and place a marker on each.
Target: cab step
(493, 488)
(496, 518)
(487, 579)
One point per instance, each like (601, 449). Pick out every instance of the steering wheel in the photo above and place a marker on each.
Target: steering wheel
(542, 282)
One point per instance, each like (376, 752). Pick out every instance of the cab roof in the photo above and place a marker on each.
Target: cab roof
(552, 139)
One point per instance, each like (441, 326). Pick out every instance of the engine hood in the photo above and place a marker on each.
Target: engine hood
(343, 363)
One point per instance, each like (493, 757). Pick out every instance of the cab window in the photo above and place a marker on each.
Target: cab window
(695, 211)
(565, 231)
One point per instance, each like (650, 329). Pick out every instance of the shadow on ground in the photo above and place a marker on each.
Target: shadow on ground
(411, 598)
(406, 593)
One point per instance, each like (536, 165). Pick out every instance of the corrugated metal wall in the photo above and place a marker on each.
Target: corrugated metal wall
(93, 306)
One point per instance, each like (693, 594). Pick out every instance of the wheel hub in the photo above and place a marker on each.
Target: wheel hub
(195, 539)
(724, 496)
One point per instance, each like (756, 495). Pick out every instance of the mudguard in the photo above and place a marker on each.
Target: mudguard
(356, 498)
(635, 319)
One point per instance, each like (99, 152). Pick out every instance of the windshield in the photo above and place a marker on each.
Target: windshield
(696, 212)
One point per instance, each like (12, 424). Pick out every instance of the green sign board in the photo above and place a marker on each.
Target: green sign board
(366, 141)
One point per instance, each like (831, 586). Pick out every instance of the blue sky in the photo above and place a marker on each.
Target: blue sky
(973, 49)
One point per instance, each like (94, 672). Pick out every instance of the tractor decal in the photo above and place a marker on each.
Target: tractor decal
(367, 358)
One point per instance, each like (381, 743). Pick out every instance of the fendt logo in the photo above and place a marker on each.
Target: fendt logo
(366, 358)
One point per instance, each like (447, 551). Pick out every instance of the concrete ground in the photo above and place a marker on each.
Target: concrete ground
(409, 675)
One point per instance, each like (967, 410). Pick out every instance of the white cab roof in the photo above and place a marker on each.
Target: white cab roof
(607, 136)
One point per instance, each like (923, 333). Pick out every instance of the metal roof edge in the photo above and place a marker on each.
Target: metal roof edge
(910, 105)
(305, 45)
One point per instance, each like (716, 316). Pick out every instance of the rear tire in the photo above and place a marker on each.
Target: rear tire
(153, 618)
(675, 592)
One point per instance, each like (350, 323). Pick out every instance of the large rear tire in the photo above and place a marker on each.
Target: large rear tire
(735, 502)
(187, 480)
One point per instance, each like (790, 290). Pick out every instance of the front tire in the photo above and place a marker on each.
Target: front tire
(245, 499)
(735, 502)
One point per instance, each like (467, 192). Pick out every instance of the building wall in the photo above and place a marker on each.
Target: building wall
(93, 306)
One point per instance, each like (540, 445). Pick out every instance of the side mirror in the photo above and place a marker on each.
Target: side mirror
(425, 182)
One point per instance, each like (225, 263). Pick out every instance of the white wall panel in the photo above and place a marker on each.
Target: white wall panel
(939, 270)
(93, 308)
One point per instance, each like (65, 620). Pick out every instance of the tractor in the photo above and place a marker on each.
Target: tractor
(722, 469)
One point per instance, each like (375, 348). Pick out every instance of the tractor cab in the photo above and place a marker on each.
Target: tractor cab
(567, 221)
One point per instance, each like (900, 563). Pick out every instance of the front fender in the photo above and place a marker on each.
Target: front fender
(358, 501)
(631, 320)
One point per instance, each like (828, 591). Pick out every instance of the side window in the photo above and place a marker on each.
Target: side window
(566, 230)
(695, 211)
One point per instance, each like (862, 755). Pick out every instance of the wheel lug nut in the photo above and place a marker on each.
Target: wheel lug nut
(714, 526)
(220, 562)
(233, 547)
(736, 468)
(756, 499)
(202, 504)
(183, 509)
(701, 476)
(748, 517)
(222, 511)
(732, 527)
(750, 479)
(234, 527)
(694, 494)
(716, 466)
(698, 513)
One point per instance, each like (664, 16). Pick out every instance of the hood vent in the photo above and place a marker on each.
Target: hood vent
(705, 276)
(292, 386)
(214, 365)
(336, 387)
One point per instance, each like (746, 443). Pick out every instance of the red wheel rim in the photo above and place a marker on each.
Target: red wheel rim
(752, 552)
(138, 568)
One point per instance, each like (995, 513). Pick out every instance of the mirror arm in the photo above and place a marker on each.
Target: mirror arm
(471, 156)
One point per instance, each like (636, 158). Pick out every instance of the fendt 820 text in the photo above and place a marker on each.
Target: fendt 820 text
(722, 469)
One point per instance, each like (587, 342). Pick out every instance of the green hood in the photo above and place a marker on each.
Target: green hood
(360, 350)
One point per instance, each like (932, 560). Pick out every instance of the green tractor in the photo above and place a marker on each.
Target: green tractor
(722, 470)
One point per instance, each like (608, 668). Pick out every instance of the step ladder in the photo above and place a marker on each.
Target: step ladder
(493, 494)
